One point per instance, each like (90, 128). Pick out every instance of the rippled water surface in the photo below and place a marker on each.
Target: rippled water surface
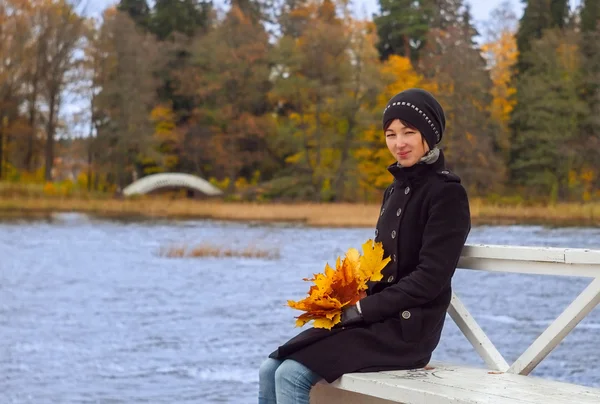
(90, 313)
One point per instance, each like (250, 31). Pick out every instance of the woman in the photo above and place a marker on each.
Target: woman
(423, 225)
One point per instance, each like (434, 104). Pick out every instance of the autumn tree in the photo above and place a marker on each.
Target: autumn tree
(93, 66)
(47, 35)
(255, 10)
(13, 37)
(36, 54)
(232, 75)
(309, 75)
(128, 92)
(62, 31)
(357, 105)
(292, 18)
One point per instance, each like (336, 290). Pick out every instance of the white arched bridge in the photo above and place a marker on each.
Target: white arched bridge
(171, 180)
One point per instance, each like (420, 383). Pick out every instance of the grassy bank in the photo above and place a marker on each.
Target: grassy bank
(318, 215)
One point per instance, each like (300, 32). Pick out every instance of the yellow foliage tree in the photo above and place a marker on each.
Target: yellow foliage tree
(166, 136)
(502, 55)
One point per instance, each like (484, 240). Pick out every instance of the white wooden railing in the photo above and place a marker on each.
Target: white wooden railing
(400, 387)
(529, 260)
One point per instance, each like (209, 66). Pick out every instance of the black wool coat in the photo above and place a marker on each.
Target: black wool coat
(423, 225)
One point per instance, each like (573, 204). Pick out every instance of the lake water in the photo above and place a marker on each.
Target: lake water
(90, 313)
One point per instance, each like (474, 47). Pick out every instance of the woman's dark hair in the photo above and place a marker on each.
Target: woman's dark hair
(408, 125)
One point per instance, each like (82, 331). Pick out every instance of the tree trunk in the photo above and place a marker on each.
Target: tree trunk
(406, 47)
(1, 148)
(31, 136)
(341, 177)
(317, 177)
(96, 182)
(50, 140)
(89, 165)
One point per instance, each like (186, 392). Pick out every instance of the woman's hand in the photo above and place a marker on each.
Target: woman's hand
(350, 316)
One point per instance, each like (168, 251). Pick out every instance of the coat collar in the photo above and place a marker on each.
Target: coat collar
(418, 173)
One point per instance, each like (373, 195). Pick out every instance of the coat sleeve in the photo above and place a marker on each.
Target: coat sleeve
(444, 237)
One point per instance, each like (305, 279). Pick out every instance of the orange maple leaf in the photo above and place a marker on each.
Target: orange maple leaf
(336, 288)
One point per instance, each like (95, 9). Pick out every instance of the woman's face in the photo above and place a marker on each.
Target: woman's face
(406, 144)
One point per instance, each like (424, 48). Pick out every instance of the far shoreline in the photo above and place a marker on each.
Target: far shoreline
(319, 215)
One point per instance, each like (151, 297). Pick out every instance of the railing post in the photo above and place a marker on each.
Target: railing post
(476, 336)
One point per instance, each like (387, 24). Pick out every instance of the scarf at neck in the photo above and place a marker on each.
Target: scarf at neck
(431, 156)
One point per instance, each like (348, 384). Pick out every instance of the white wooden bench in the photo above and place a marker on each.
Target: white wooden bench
(441, 383)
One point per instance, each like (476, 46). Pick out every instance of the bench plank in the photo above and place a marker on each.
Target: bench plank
(454, 384)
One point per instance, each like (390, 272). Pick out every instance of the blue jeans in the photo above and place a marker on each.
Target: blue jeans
(285, 382)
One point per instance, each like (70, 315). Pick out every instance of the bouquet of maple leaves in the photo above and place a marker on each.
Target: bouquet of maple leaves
(340, 287)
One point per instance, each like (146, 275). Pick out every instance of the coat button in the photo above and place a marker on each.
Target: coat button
(382, 210)
(393, 233)
(398, 211)
(391, 278)
(376, 232)
(406, 314)
(445, 172)
(394, 257)
(406, 190)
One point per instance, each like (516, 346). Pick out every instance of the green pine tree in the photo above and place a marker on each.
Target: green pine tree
(590, 83)
(538, 16)
(559, 10)
(402, 26)
(544, 147)
(138, 10)
(590, 16)
(188, 18)
(455, 64)
(183, 16)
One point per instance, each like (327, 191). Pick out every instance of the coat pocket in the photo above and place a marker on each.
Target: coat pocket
(412, 324)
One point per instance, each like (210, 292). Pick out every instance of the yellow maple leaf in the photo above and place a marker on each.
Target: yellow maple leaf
(341, 286)
(372, 262)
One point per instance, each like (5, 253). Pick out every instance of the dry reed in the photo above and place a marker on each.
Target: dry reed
(209, 250)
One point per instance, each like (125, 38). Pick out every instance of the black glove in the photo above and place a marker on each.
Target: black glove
(350, 316)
